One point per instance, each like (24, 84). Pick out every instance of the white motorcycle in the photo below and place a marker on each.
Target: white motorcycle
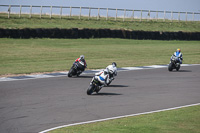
(98, 81)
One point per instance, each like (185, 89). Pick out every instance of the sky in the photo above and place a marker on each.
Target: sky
(158, 5)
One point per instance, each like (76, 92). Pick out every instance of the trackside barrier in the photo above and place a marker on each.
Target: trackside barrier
(75, 33)
(115, 14)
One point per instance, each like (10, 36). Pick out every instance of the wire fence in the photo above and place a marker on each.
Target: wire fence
(30, 11)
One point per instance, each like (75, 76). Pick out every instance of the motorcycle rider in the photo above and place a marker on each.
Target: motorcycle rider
(178, 54)
(81, 58)
(103, 78)
(112, 69)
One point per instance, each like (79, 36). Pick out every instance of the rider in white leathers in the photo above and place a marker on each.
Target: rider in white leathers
(112, 69)
(102, 77)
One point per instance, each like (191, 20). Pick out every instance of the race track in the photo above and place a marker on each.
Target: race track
(38, 104)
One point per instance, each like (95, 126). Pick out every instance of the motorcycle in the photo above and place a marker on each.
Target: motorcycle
(76, 69)
(174, 63)
(95, 86)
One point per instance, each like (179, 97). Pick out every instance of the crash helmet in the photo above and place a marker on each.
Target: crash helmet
(178, 50)
(111, 70)
(114, 64)
(106, 71)
(82, 57)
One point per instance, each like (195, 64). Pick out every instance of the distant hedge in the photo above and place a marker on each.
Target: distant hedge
(75, 33)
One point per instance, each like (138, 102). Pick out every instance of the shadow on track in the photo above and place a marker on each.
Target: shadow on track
(184, 71)
(83, 77)
(117, 86)
(105, 94)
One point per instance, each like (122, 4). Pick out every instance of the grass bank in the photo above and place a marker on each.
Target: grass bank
(18, 23)
(184, 120)
(25, 56)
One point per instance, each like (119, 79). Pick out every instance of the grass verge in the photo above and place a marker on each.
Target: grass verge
(25, 56)
(184, 120)
(18, 23)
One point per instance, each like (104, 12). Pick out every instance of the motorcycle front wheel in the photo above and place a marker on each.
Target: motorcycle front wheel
(70, 72)
(90, 89)
(170, 67)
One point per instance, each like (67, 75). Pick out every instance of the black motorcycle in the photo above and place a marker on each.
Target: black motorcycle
(95, 86)
(174, 63)
(76, 69)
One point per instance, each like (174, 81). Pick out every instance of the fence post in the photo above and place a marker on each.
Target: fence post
(9, 9)
(20, 11)
(51, 12)
(171, 16)
(124, 15)
(30, 11)
(149, 15)
(193, 16)
(186, 16)
(178, 16)
(61, 12)
(199, 16)
(156, 15)
(70, 12)
(41, 12)
(89, 13)
(141, 16)
(164, 16)
(107, 14)
(116, 15)
(80, 14)
(132, 17)
(98, 14)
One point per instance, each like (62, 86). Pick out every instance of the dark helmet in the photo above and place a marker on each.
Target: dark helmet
(114, 64)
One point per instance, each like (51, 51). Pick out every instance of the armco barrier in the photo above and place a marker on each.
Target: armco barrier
(75, 33)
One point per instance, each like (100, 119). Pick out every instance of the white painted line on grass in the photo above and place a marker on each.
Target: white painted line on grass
(93, 121)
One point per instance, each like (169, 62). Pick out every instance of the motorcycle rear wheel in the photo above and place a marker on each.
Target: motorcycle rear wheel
(177, 69)
(109, 83)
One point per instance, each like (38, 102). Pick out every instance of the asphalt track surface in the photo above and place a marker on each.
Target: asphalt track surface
(29, 106)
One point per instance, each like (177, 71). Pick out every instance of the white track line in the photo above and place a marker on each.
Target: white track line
(87, 122)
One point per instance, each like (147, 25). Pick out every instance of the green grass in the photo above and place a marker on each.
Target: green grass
(184, 120)
(18, 23)
(25, 56)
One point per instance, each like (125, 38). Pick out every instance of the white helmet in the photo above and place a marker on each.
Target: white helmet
(82, 57)
(111, 70)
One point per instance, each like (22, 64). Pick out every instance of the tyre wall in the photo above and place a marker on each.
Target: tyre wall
(75, 33)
